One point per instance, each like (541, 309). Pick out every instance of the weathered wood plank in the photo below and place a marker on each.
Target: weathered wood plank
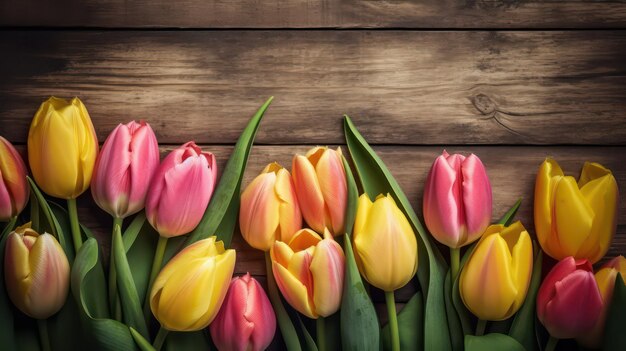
(401, 87)
(512, 171)
(320, 13)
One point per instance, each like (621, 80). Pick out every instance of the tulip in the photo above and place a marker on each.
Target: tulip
(495, 279)
(606, 279)
(189, 290)
(320, 183)
(124, 168)
(575, 219)
(309, 272)
(180, 190)
(569, 302)
(246, 321)
(13, 186)
(62, 147)
(457, 199)
(269, 208)
(384, 243)
(36, 272)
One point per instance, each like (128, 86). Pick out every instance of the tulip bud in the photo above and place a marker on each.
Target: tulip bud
(606, 279)
(495, 279)
(36, 272)
(13, 186)
(246, 321)
(189, 290)
(320, 183)
(62, 147)
(385, 246)
(569, 301)
(457, 199)
(124, 168)
(309, 272)
(180, 190)
(269, 208)
(575, 219)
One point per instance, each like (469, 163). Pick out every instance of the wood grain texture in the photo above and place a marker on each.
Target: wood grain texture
(512, 171)
(401, 87)
(314, 14)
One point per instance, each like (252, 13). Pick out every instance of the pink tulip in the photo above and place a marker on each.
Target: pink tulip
(457, 199)
(320, 183)
(124, 168)
(180, 190)
(13, 186)
(246, 320)
(569, 302)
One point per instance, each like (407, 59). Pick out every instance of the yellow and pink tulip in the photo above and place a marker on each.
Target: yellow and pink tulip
(14, 189)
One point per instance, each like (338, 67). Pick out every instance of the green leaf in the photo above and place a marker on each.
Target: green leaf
(131, 306)
(464, 315)
(410, 319)
(225, 200)
(614, 336)
(7, 327)
(309, 343)
(493, 341)
(454, 323)
(376, 179)
(140, 254)
(132, 232)
(508, 216)
(142, 343)
(89, 290)
(523, 327)
(359, 324)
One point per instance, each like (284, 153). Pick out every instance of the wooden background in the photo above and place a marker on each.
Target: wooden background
(512, 81)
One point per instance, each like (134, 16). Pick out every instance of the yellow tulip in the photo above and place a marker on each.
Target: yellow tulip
(495, 279)
(384, 243)
(190, 289)
(62, 147)
(36, 272)
(575, 219)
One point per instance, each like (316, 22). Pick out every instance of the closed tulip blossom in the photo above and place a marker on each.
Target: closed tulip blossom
(246, 320)
(36, 272)
(62, 147)
(14, 189)
(309, 271)
(575, 218)
(189, 291)
(269, 208)
(495, 279)
(569, 302)
(180, 190)
(124, 168)
(320, 183)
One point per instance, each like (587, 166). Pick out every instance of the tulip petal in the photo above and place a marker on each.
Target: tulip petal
(476, 197)
(309, 193)
(364, 206)
(293, 290)
(290, 217)
(327, 269)
(573, 216)
(548, 177)
(259, 215)
(334, 188)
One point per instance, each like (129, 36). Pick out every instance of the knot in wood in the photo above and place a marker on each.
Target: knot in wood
(484, 104)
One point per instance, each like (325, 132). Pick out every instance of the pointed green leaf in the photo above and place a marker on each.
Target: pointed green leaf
(410, 325)
(454, 323)
(142, 343)
(523, 327)
(376, 179)
(614, 336)
(140, 254)
(227, 193)
(89, 290)
(131, 306)
(507, 219)
(493, 341)
(132, 232)
(309, 343)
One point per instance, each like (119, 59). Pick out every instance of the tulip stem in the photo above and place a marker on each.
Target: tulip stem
(156, 267)
(76, 236)
(481, 325)
(160, 338)
(114, 297)
(551, 345)
(393, 320)
(455, 259)
(321, 333)
(42, 325)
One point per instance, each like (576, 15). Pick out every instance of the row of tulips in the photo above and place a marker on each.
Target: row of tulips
(299, 219)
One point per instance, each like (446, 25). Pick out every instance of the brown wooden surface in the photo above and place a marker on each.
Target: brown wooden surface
(407, 87)
(314, 14)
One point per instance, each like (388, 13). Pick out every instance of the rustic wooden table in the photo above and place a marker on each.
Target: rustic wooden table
(512, 81)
